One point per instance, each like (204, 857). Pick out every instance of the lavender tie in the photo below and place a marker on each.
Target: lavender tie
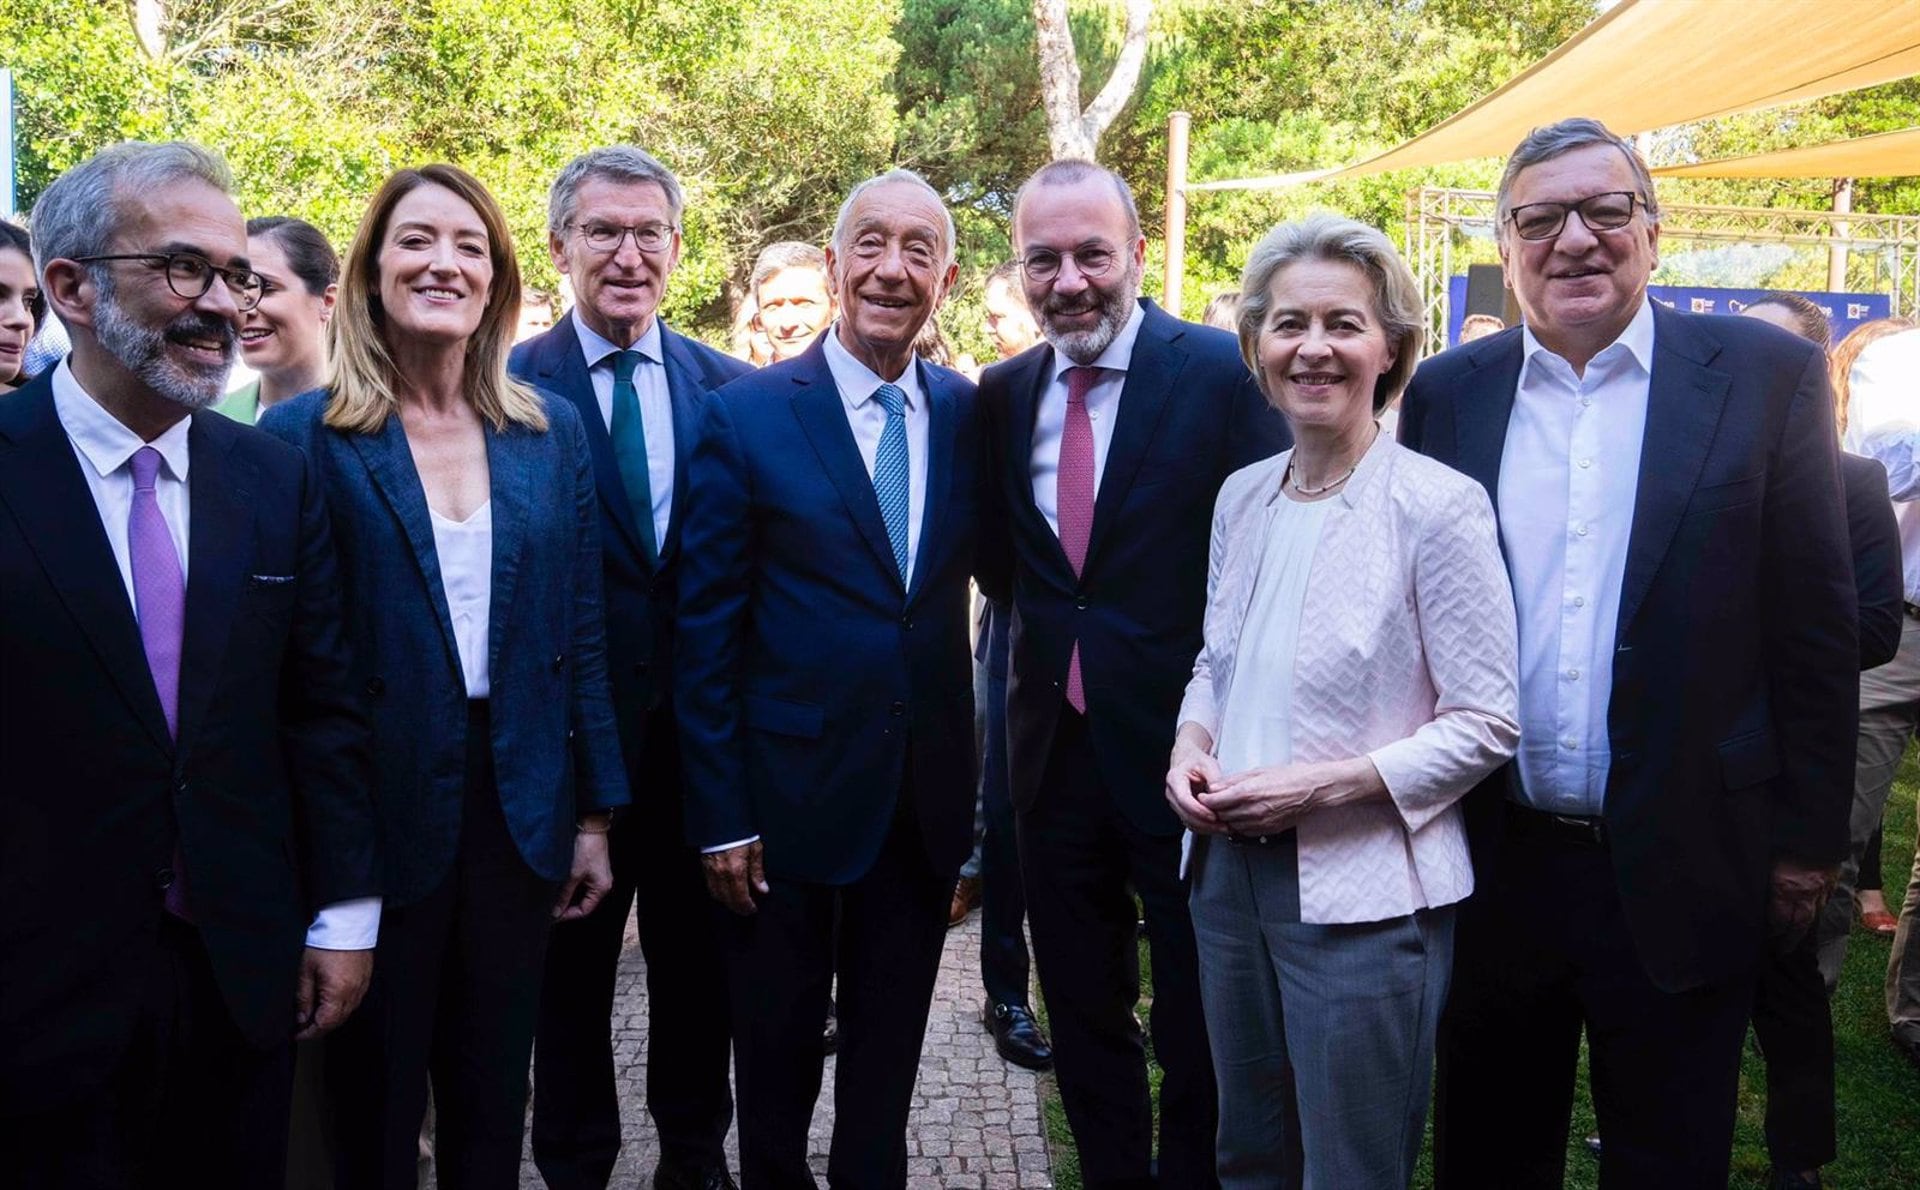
(159, 599)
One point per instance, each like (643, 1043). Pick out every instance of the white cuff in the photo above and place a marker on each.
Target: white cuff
(729, 846)
(346, 925)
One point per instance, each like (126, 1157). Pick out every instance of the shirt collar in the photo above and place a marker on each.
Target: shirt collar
(857, 382)
(1118, 353)
(596, 347)
(103, 440)
(1636, 342)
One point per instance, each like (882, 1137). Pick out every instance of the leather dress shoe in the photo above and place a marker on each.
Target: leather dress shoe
(1787, 1179)
(673, 1175)
(1017, 1036)
(966, 898)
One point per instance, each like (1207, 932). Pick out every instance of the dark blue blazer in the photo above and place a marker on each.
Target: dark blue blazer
(812, 687)
(1190, 415)
(555, 751)
(1737, 651)
(1874, 538)
(265, 791)
(640, 596)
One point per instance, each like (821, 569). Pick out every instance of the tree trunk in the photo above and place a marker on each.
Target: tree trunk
(150, 26)
(1071, 130)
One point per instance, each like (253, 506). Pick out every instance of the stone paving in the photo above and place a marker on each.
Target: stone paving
(976, 1119)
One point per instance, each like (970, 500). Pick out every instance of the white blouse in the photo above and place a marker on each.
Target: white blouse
(465, 551)
(1256, 721)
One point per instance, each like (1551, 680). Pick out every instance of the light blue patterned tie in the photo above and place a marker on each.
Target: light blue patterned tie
(890, 471)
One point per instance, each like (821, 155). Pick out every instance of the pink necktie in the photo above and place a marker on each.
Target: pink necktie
(1074, 498)
(159, 599)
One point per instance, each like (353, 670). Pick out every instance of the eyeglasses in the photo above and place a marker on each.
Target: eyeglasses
(190, 275)
(1600, 212)
(1043, 264)
(607, 237)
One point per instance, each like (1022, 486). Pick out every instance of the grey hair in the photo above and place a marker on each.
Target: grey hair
(787, 254)
(908, 177)
(1330, 237)
(615, 163)
(1556, 140)
(77, 215)
(1070, 170)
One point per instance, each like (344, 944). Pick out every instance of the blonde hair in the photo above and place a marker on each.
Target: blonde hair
(1840, 361)
(363, 378)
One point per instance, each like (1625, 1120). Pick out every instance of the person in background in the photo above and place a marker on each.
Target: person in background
(792, 301)
(1223, 311)
(22, 309)
(613, 230)
(1792, 1020)
(284, 338)
(1010, 323)
(1479, 326)
(536, 315)
(747, 340)
(470, 556)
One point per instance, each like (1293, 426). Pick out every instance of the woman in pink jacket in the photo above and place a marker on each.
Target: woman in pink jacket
(1358, 676)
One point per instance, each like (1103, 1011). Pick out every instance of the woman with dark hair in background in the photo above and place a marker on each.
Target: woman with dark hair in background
(467, 526)
(21, 306)
(284, 338)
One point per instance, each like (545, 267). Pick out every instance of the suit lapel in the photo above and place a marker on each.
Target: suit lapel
(942, 412)
(389, 461)
(1151, 375)
(684, 391)
(823, 417)
(1684, 402)
(40, 482)
(563, 369)
(1480, 419)
(510, 487)
(219, 550)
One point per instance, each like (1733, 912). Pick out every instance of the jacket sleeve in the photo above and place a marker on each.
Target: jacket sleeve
(600, 779)
(1197, 706)
(1874, 537)
(1467, 628)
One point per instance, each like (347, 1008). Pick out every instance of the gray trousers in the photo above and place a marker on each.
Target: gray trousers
(1322, 1035)
(1889, 714)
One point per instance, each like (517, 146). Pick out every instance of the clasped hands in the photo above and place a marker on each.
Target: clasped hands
(1259, 801)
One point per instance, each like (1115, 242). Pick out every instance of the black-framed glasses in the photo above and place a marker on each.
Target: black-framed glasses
(607, 237)
(1043, 264)
(190, 275)
(1610, 211)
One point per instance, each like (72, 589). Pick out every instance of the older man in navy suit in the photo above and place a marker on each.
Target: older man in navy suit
(1672, 519)
(614, 230)
(825, 690)
(1111, 439)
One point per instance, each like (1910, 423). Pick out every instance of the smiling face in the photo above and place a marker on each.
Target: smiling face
(18, 291)
(1581, 288)
(618, 292)
(1323, 348)
(891, 273)
(287, 330)
(434, 267)
(794, 306)
(1080, 314)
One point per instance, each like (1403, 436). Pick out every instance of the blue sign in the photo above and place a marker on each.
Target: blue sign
(1845, 310)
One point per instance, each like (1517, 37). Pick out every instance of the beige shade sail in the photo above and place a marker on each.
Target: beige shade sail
(1648, 64)
(1883, 155)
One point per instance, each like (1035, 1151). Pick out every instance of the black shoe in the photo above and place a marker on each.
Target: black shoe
(1593, 1146)
(1787, 1179)
(673, 1175)
(1017, 1036)
(830, 1033)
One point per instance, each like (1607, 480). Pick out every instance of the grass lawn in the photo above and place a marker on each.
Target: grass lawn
(1879, 1092)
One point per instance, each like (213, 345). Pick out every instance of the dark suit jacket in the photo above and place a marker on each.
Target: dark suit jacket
(1737, 653)
(1190, 415)
(640, 596)
(812, 688)
(265, 792)
(1874, 538)
(555, 751)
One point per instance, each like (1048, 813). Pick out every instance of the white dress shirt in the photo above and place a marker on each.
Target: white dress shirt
(656, 407)
(1568, 481)
(465, 553)
(105, 447)
(1883, 422)
(857, 384)
(1103, 411)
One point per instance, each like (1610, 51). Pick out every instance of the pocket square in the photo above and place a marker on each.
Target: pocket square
(269, 580)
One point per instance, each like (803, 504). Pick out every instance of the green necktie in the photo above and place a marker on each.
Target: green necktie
(630, 448)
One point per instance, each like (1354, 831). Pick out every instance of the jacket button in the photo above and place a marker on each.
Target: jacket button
(898, 708)
(906, 621)
(559, 662)
(180, 787)
(639, 668)
(163, 879)
(1080, 601)
(376, 685)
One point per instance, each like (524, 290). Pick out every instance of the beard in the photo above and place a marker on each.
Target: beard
(1114, 305)
(142, 349)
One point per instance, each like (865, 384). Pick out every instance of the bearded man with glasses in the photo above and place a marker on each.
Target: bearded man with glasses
(1670, 509)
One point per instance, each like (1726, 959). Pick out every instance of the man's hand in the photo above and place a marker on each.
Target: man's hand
(591, 877)
(331, 985)
(735, 875)
(1191, 769)
(1798, 891)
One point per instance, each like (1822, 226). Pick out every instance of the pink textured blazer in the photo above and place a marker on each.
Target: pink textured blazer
(1407, 653)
